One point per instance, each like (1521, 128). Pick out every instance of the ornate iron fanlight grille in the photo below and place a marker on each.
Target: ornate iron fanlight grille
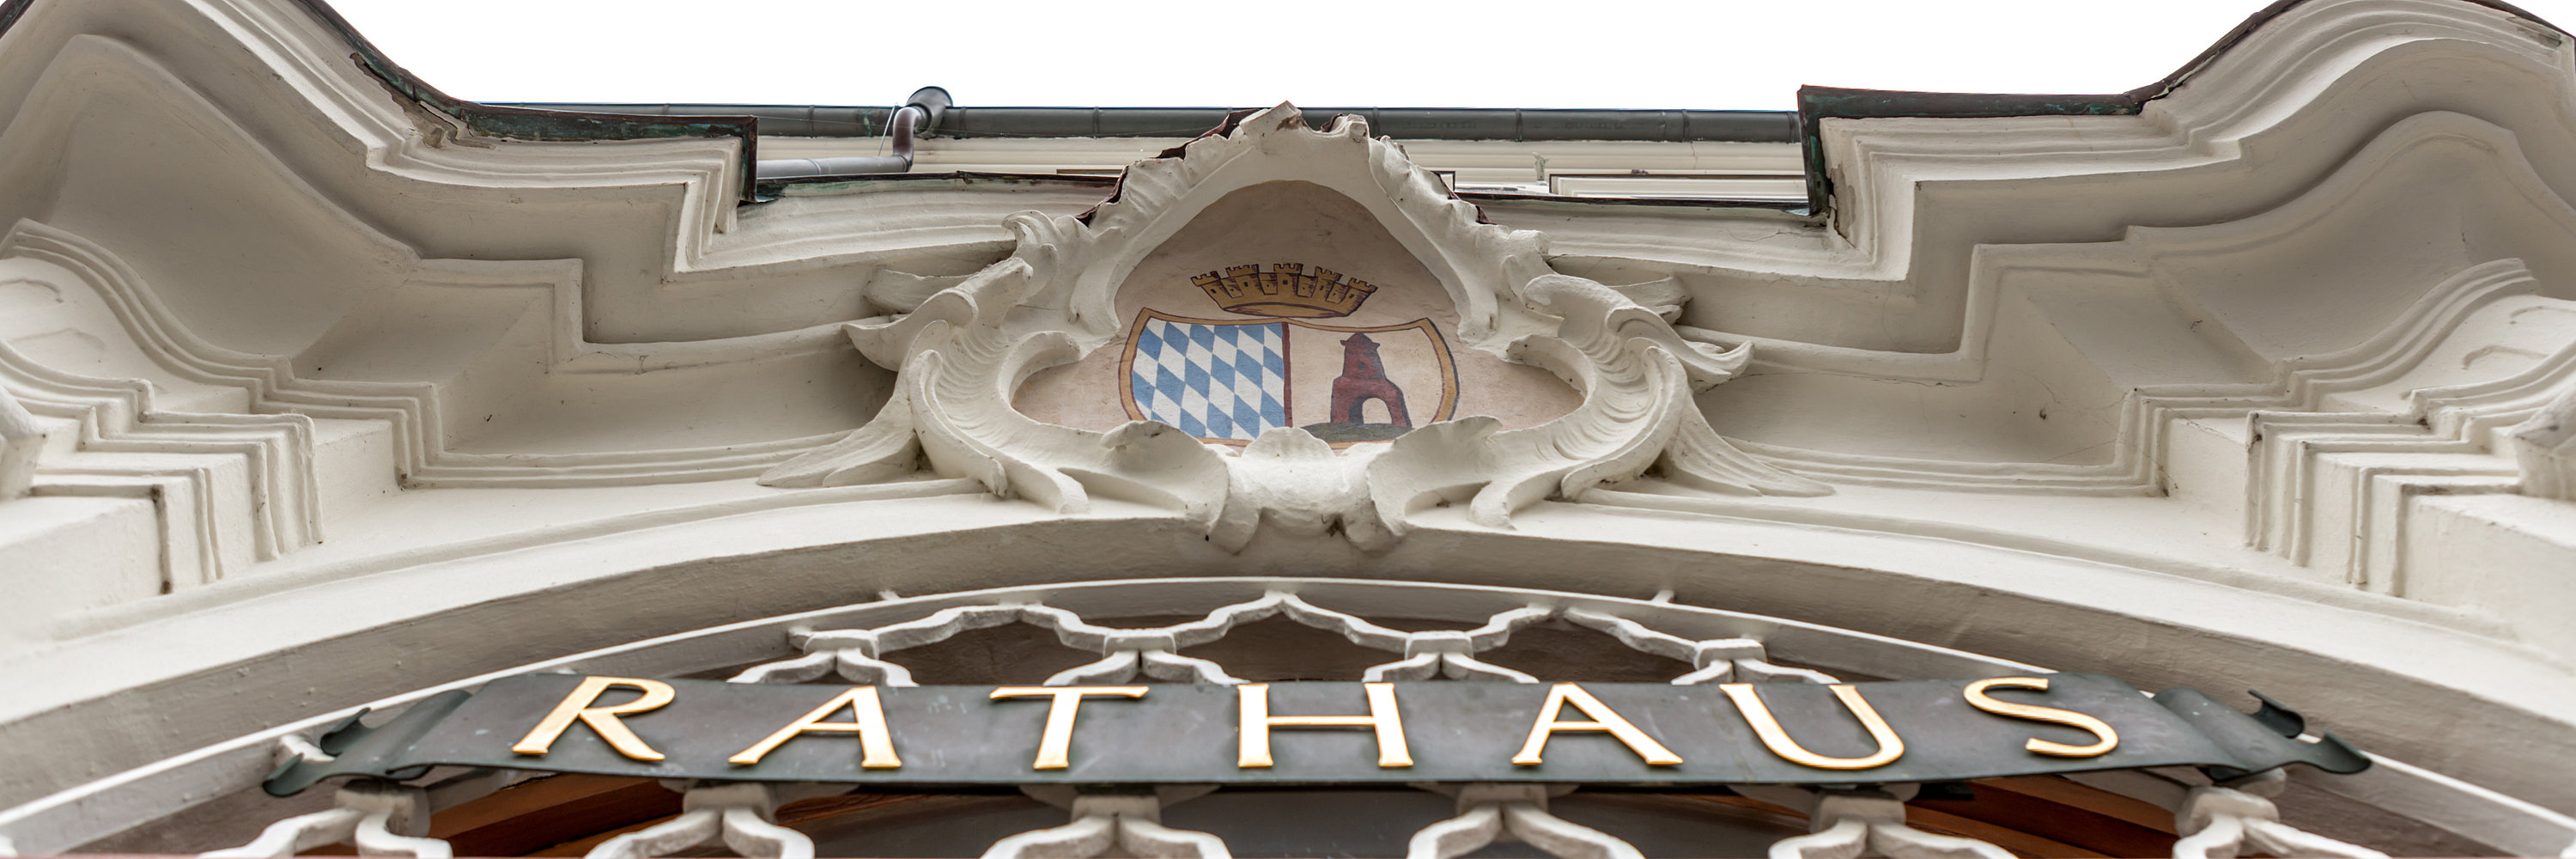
(383, 817)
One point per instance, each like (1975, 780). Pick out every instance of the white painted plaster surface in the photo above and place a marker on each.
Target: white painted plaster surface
(2254, 389)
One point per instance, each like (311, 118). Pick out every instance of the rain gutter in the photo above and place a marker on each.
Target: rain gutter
(519, 123)
(1403, 123)
(579, 122)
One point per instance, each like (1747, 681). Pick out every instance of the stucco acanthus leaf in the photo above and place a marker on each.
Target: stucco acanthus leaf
(902, 291)
(960, 420)
(2545, 448)
(1664, 295)
(962, 353)
(21, 439)
(1298, 484)
(884, 449)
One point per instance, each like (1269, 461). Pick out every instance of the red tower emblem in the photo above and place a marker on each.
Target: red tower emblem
(1364, 378)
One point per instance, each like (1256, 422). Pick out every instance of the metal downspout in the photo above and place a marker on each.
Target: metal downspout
(920, 113)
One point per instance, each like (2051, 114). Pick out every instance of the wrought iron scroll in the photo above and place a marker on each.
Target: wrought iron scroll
(2235, 818)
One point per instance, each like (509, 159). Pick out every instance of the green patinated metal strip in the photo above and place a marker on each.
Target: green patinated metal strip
(511, 123)
(515, 123)
(1815, 104)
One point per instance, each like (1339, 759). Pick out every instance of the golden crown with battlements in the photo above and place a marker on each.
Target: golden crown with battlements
(1286, 290)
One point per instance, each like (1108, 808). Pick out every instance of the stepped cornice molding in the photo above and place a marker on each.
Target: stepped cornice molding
(2275, 76)
(204, 521)
(2407, 155)
(1925, 202)
(2257, 126)
(2290, 76)
(250, 58)
(413, 410)
(207, 43)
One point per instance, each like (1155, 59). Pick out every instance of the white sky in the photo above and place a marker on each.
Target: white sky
(1325, 53)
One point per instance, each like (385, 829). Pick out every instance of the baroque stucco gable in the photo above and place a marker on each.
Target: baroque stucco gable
(961, 355)
(2068, 380)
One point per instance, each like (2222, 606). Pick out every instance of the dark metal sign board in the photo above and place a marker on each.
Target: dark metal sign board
(933, 737)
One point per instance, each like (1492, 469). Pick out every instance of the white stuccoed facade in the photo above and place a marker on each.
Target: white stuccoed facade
(311, 398)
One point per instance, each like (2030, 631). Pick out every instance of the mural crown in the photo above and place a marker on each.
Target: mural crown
(1286, 290)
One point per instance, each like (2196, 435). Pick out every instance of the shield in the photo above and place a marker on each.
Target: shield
(1229, 380)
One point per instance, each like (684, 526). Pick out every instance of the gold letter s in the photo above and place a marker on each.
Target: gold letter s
(2107, 739)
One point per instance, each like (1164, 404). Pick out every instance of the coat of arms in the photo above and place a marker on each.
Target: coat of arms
(1132, 388)
(1230, 380)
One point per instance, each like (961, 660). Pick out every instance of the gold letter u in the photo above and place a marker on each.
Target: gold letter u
(1768, 728)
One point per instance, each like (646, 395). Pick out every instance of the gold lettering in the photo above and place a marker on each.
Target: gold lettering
(1254, 746)
(1055, 744)
(602, 720)
(1602, 719)
(876, 742)
(2105, 738)
(1890, 747)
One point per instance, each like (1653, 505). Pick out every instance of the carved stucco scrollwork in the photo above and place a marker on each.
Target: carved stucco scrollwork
(2545, 449)
(962, 353)
(21, 439)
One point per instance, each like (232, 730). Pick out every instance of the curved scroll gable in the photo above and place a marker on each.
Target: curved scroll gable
(964, 352)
